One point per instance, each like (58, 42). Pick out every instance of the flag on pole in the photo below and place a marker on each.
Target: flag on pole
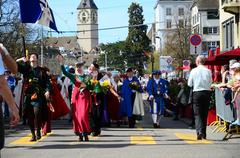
(37, 11)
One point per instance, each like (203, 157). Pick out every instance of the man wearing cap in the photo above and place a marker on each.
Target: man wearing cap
(157, 89)
(128, 97)
(200, 79)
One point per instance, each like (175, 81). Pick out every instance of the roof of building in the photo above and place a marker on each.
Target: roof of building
(69, 43)
(186, 1)
(206, 5)
(87, 4)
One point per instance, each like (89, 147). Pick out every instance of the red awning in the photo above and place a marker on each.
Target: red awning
(230, 54)
(222, 59)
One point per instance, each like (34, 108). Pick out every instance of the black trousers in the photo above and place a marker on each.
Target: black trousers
(201, 102)
(34, 116)
(132, 120)
(1, 129)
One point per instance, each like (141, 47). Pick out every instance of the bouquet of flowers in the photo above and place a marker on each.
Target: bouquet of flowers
(134, 86)
(105, 86)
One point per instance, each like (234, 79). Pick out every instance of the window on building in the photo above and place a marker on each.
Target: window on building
(196, 30)
(228, 34)
(213, 14)
(168, 11)
(212, 44)
(169, 24)
(231, 34)
(181, 23)
(205, 30)
(210, 30)
(180, 11)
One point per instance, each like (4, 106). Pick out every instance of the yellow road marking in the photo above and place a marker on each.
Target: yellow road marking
(142, 140)
(26, 140)
(140, 128)
(192, 138)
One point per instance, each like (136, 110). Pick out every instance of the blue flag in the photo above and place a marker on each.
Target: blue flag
(37, 11)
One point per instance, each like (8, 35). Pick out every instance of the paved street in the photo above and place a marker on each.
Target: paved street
(174, 139)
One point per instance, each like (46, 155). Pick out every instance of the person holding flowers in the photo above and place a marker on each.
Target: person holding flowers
(81, 99)
(131, 85)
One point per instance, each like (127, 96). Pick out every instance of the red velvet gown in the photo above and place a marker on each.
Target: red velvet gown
(60, 108)
(113, 107)
(81, 104)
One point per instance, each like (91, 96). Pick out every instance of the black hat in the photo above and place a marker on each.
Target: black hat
(157, 72)
(96, 65)
(79, 64)
(129, 70)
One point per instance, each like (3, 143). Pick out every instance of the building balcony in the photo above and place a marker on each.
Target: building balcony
(231, 6)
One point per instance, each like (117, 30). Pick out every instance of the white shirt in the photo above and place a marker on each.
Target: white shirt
(200, 79)
(2, 69)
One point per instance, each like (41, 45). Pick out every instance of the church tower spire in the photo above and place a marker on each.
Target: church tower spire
(87, 25)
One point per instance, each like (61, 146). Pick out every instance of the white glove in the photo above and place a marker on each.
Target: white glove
(151, 97)
(134, 91)
(166, 96)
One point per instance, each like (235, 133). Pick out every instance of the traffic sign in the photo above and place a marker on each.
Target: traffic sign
(195, 40)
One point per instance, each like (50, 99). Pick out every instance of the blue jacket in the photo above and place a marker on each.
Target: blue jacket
(153, 87)
(127, 95)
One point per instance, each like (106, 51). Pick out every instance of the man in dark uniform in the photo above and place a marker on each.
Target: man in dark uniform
(36, 91)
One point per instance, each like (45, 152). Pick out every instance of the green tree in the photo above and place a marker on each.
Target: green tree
(137, 41)
(115, 57)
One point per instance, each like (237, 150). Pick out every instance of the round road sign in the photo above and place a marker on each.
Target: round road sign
(195, 40)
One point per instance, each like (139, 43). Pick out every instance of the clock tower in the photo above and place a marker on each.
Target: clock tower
(87, 25)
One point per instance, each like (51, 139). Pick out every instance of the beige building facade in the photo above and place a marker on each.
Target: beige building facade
(229, 24)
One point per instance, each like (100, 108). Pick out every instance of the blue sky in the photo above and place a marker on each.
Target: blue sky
(111, 13)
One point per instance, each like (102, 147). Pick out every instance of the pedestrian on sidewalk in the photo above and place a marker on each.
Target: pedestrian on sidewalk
(200, 79)
(157, 90)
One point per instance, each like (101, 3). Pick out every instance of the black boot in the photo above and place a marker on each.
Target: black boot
(33, 139)
(80, 139)
(39, 134)
(86, 138)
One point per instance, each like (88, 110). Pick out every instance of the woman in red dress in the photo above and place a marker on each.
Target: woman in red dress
(81, 100)
(114, 100)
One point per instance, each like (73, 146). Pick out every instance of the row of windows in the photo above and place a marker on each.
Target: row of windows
(228, 34)
(169, 23)
(180, 11)
(210, 30)
(210, 16)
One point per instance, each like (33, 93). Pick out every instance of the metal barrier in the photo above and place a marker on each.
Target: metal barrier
(225, 116)
(225, 112)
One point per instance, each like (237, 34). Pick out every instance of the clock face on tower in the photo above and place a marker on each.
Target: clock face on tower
(83, 16)
(94, 16)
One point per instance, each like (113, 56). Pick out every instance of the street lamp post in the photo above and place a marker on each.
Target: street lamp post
(106, 60)
(105, 56)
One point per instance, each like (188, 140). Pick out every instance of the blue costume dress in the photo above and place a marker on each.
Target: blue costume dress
(128, 96)
(157, 90)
